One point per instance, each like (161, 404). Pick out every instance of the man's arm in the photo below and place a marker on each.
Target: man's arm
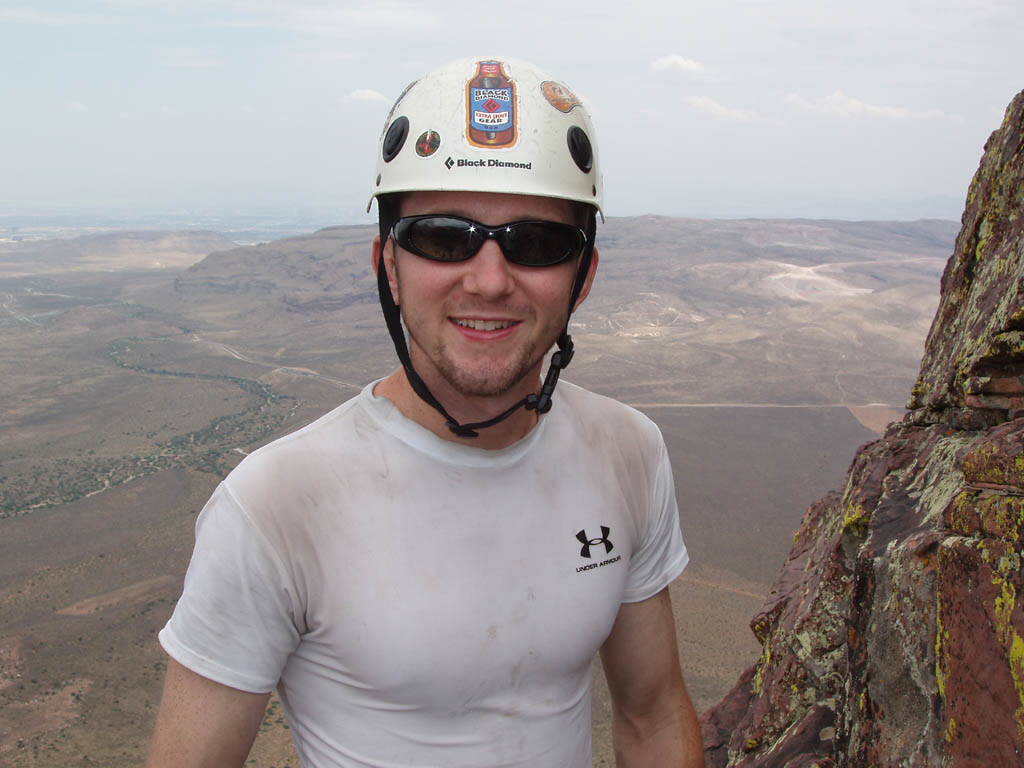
(203, 723)
(653, 720)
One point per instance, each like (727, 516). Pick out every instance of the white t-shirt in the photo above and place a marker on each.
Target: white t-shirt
(419, 602)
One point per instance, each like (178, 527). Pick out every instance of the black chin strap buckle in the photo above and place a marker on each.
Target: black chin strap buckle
(542, 403)
(461, 430)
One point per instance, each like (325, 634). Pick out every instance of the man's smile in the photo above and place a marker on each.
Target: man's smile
(484, 325)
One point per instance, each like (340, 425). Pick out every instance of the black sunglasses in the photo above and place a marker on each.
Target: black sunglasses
(442, 237)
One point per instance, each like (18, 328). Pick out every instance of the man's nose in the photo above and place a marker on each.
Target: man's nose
(489, 273)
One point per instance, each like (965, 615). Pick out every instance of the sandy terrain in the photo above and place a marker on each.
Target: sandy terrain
(133, 593)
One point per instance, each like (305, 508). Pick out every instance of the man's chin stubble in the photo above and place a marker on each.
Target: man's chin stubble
(490, 382)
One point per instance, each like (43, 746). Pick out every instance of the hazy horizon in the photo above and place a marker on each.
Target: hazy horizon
(251, 227)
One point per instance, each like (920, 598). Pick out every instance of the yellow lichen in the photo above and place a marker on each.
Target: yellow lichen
(998, 514)
(983, 465)
(855, 520)
(1017, 671)
(961, 505)
(940, 636)
(950, 729)
(982, 546)
(1005, 602)
(766, 659)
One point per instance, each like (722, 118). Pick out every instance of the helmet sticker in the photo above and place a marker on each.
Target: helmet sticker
(391, 112)
(491, 111)
(427, 143)
(559, 97)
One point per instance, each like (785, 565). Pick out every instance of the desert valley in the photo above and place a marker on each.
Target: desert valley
(137, 368)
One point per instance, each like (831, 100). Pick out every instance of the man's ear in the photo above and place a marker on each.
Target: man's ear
(386, 254)
(589, 281)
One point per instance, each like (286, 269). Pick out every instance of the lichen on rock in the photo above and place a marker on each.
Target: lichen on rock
(894, 634)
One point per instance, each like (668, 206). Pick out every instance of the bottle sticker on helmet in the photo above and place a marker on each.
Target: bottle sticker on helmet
(491, 115)
(559, 97)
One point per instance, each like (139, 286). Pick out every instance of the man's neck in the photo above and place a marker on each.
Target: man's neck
(397, 389)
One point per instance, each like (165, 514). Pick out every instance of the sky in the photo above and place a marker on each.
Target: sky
(703, 108)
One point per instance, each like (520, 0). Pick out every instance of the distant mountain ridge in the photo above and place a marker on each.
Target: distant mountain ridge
(120, 251)
(700, 287)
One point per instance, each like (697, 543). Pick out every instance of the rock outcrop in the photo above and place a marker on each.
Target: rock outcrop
(894, 634)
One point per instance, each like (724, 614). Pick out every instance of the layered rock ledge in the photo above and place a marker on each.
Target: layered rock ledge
(894, 634)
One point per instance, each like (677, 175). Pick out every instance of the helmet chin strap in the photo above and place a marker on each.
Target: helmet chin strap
(559, 360)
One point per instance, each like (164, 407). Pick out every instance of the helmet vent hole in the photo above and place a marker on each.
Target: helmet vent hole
(395, 139)
(579, 148)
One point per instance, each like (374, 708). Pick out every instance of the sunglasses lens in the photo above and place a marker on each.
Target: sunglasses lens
(440, 238)
(541, 243)
(528, 243)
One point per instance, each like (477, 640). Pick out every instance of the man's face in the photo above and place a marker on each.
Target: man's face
(481, 326)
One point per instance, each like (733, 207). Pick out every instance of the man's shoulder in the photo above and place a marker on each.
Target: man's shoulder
(594, 414)
(587, 401)
(327, 427)
(338, 437)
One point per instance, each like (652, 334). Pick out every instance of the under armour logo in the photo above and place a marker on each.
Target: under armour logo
(588, 543)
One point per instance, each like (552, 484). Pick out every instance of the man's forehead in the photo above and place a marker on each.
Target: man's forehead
(487, 207)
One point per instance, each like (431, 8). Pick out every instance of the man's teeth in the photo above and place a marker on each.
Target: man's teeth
(484, 325)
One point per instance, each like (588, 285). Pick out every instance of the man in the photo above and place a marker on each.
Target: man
(426, 572)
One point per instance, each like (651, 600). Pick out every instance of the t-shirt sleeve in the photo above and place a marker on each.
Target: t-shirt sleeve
(662, 555)
(234, 623)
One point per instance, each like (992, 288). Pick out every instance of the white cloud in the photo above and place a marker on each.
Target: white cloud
(77, 106)
(676, 63)
(838, 104)
(712, 107)
(367, 94)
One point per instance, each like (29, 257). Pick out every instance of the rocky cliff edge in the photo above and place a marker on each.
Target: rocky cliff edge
(894, 634)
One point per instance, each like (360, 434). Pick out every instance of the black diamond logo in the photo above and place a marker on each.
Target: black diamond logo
(449, 163)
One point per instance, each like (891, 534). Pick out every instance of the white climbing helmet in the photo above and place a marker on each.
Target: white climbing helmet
(489, 125)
